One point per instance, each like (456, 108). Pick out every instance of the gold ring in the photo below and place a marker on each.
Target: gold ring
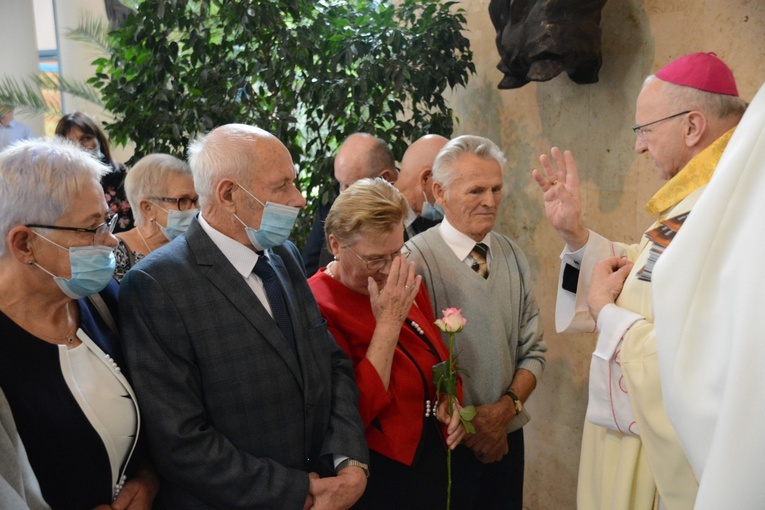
(407, 287)
(553, 183)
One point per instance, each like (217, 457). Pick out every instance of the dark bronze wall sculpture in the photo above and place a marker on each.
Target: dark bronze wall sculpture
(539, 39)
(116, 12)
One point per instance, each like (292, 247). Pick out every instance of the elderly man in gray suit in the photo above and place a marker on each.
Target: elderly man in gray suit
(248, 402)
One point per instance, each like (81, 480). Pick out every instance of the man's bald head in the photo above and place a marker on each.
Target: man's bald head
(232, 151)
(362, 155)
(417, 169)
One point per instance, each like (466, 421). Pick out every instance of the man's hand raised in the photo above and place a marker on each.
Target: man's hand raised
(559, 181)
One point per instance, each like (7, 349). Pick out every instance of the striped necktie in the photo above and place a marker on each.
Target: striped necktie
(480, 265)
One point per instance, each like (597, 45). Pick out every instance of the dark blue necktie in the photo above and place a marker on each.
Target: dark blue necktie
(276, 299)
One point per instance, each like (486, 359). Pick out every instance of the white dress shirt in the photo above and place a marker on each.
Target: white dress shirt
(242, 257)
(462, 245)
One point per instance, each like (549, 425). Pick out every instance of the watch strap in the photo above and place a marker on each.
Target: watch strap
(516, 402)
(352, 462)
(512, 395)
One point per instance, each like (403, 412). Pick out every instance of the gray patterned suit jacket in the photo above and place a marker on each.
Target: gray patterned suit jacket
(233, 420)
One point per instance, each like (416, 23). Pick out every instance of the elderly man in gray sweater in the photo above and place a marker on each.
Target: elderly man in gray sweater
(465, 264)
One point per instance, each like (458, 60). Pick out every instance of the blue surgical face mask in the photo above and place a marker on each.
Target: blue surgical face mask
(177, 222)
(275, 225)
(92, 268)
(431, 212)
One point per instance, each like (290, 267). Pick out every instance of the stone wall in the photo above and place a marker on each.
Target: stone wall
(594, 121)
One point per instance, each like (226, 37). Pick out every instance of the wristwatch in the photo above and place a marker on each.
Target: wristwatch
(516, 401)
(350, 462)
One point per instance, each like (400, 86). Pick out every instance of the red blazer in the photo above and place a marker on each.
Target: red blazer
(393, 418)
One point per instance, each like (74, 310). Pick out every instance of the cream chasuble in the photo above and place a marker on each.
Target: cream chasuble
(619, 470)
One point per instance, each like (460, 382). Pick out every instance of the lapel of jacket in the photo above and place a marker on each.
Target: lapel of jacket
(96, 348)
(219, 271)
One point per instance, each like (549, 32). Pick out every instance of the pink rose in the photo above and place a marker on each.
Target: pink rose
(452, 321)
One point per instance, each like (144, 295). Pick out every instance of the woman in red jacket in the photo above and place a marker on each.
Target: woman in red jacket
(380, 314)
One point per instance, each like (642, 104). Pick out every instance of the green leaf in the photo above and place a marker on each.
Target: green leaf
(467, 413)
(466, 418)
(92, 30)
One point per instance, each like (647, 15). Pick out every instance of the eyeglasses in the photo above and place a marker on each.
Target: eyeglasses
(377, 264)
(100, 233)
(183, 203)
(641, 132)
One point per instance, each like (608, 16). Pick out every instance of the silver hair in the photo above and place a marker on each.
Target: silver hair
(720, 106)
(223, 153)
(38, 180)
(443, 166)
(149, 178)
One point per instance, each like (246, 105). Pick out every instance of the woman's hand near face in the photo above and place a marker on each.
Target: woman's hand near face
(390, 307)
(392, 304)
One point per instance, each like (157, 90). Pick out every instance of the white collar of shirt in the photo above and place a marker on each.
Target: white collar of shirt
(241, 257)
(461, 244)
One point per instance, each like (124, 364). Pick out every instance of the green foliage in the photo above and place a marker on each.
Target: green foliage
(27, 96)
(312, 72)
(91, 30)
(24, 96)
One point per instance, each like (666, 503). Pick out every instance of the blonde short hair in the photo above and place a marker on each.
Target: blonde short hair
(369, 207)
